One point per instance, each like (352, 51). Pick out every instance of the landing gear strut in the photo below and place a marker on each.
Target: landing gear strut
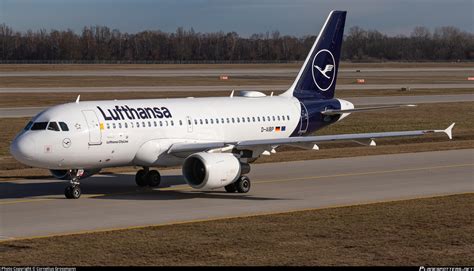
(242, 185)
(73, 191)
(147, 177)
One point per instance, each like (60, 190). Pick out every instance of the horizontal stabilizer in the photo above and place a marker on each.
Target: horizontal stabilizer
(342, 111)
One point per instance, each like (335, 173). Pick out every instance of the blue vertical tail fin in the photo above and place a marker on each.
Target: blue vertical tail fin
(317, 77)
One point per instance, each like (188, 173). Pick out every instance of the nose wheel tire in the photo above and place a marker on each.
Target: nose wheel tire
(73, 192)
(243, 184)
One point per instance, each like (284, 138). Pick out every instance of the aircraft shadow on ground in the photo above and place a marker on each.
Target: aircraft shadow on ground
(117, 187)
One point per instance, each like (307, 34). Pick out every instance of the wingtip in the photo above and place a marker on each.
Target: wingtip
(449, 131)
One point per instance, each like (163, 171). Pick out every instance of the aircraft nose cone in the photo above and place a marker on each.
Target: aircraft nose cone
(23, 148)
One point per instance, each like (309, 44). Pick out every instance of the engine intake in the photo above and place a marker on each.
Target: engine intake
(212, 170)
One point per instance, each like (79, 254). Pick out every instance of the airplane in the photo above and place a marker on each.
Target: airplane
(214, 139)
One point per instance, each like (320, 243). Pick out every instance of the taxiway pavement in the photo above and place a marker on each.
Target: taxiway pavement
(37, 207)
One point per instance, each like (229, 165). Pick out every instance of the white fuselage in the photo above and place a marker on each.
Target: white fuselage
(101, 136)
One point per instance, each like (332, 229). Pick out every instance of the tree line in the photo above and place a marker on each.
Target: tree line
(100, 43)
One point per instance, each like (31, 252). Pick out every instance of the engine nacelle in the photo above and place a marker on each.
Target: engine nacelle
(204, 170)
(63, 174)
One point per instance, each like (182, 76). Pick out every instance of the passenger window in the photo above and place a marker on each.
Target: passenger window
(273, 118)
(278, 118)
(154, 123)
(206, 121)
(212, 121)
(217, 121)
(233, 120)
(166, 122)
(63, 126)
(268, 118)
(200, 121)
(287, 117)
(143, 124)
(113, 125)
(253, 119)
(228, 121)
(108, 126)
(189, 122)
(120, 125)
(39, 126)
(172, 123)
(126, 125)
(195, 122)
(258, 119)
(161, 123)
(238, 120)
(131, 123)
(180, 122)
(248, 119)
(53, 126)
(138, 124)
(222, 120)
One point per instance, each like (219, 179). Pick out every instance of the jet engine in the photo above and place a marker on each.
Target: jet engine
(63, 174)
(204, 170)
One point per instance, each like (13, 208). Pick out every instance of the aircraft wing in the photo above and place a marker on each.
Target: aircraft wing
(208, 146)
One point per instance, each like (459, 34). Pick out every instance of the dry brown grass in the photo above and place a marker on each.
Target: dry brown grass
(344, 65)
(434, 231)
(137, 81)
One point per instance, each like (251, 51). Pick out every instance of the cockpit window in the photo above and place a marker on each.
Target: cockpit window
(53, 126)
(39, 126)
(63, 126)
(28, 126)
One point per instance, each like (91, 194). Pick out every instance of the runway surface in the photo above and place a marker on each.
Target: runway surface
(446, 71)
(37, 207)
(228, 88)
(19, 112)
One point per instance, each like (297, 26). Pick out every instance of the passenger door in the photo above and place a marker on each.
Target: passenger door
(95, 134)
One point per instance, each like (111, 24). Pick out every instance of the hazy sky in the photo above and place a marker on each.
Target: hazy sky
(294, 17)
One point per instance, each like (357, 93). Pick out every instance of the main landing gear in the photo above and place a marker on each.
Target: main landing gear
(73, 191)
(242, 185)
(147, 177)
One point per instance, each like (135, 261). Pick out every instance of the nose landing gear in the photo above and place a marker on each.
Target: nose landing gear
(147, 177)
(73, 191)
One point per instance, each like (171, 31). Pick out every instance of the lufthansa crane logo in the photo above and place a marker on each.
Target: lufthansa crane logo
(324, 69)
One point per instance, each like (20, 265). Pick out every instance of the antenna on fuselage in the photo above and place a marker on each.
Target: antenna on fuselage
(232, 94)
(78, 98)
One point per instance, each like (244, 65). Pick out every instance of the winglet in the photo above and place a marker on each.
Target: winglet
(449, 130)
